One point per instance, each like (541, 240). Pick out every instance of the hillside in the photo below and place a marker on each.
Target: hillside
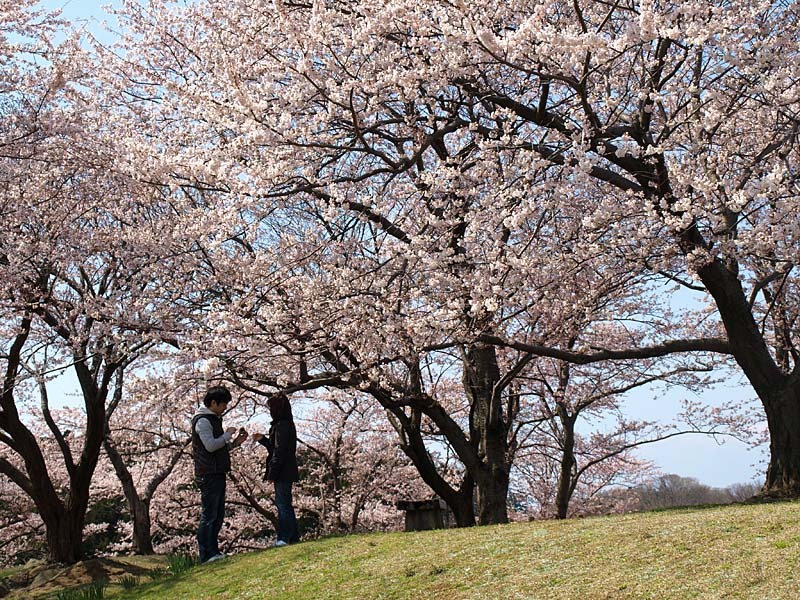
(741, 551)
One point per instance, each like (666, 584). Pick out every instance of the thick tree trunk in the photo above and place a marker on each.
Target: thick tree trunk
(783, 420)
(488, 433)
(462, 507)
(64, 520)
(64, 535)
(492, 486)
(779, 392)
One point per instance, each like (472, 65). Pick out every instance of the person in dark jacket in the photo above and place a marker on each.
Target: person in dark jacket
(211, 446)
(281, 467)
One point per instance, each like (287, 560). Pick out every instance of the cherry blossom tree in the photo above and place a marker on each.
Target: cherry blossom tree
(694, 143)
(380, 212)
(147, 435)
(581, 442)
(81, 260)
(446, 133)
(353, 465)
(36, 334)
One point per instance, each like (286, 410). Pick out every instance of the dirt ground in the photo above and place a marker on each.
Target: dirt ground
(40, 580)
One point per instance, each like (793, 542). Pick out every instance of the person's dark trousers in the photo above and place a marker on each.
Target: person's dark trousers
(287, 521)
(212, 513)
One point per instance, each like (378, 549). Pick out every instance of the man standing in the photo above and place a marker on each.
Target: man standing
(211, 447)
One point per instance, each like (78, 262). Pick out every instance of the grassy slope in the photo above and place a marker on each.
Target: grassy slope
(722, 552)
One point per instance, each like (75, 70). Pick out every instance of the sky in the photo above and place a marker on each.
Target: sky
(89, 11)
(718, 463)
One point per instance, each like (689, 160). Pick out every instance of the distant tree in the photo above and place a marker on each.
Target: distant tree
(147, 434)
(353, 464)
(559, 455)
(670, 490)
(674, 490)
(741, 492)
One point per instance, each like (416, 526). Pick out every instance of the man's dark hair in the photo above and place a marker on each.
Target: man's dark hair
(279, 407)
(218, 394)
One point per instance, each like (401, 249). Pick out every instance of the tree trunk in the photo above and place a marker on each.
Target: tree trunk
(359, 505)
(487, 432)
(63, 519)
(783, 420)
(64, 535)
(337, 485)
(142, 535)
(139, 507)
(564, 489)
(462, 506)
(492, 485)
(779, 392)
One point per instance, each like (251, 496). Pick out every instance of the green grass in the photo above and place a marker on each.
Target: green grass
(93, 591)
(9, 572)
(743, 551)
(128, 582)
(179, 563)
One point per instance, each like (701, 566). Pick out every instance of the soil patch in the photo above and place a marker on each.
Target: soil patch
(42, 580)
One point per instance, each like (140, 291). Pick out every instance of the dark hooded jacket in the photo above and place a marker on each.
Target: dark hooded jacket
(281, 445)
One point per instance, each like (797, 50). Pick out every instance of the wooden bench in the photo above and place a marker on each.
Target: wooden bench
(425, 514)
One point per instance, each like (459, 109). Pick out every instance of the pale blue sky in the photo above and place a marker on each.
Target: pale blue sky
(80, 10)
(719, 462)
(711, 462)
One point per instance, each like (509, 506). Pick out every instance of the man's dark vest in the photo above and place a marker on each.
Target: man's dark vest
(205, 462)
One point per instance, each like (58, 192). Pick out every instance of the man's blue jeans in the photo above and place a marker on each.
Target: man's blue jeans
(212, 513)
(287, 521)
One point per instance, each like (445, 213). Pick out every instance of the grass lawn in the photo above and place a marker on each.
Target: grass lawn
(741, 551)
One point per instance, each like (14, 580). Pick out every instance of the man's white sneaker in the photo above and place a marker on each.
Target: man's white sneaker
(280, 543)
(219, 556)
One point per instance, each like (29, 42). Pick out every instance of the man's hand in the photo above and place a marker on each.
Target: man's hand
(231, 430)
(242, 436)
(256, 436)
